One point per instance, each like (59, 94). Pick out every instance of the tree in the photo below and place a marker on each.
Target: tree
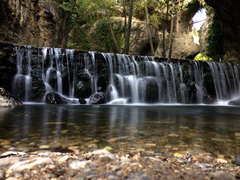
(171, 32)
(164, 29)
(148, 28)
(110, 27)
(65, 24)
(129, 27)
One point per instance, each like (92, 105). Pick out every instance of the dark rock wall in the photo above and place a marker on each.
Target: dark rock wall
(29, 22)
(229, 12)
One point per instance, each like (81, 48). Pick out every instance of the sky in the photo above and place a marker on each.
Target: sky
(199, 16)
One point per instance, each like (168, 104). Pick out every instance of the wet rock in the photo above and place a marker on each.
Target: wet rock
(234, 102)
(55, 98)
(82, 89)
(129, 100)
(82, 101)
(97, 99)
(8, 100)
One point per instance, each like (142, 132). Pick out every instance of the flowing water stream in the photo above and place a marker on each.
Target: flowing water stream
(167, 112)
(163, 129)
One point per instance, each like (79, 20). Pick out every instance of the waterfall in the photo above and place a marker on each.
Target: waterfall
(23, 77)
(140, 79)
(70, 61)
(46, 78)
(58, 58)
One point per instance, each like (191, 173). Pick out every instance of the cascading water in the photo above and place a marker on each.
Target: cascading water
(23, 79)
(70, 60)
(58, 58)
(138, 79)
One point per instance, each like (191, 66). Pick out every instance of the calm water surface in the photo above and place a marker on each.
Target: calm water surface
(163, 129)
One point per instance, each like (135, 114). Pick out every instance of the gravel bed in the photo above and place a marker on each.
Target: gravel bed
(114, 165)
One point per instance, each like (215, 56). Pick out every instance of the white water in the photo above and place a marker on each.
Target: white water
(130, 78)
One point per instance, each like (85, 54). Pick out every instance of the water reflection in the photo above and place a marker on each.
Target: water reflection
(158, 128)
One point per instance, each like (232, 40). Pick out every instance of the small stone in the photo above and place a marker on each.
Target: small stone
(17, 175)
(48, 176)
(11, 178)
(108, 155)
(220, 175)
(87, 171)
(79, 164)
(152, 145)
(101, 152)
(64, 131)
(10, 161)
(93, 146)
(220, 156)
(237, 134)
(44, 147)
(6, 142)
(73, 147)
(32, 144)
(104, 159)
(168, 147)
(173, 135)
(219, 160)
(63, 159)
(112, 140)
(112, 177)
(188, 155)
(28, 164)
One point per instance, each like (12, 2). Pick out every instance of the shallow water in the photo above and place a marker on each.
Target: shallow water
(158, 128)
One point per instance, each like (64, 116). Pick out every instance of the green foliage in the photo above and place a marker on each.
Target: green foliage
(215, 40)
(79, 40)
(101, 36)
(203, 57)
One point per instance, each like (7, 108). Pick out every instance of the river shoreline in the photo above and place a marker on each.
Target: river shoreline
(103, 164)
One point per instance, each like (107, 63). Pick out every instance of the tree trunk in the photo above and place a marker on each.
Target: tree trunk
(65, 23)
(110, 27)
(149, 30)
(171, 33)
(125, 18)
(164, 29)
(129, 27)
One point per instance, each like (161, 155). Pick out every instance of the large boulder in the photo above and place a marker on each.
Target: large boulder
(8, 100)
(235, 102)
(55, 98)
(97, 99)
